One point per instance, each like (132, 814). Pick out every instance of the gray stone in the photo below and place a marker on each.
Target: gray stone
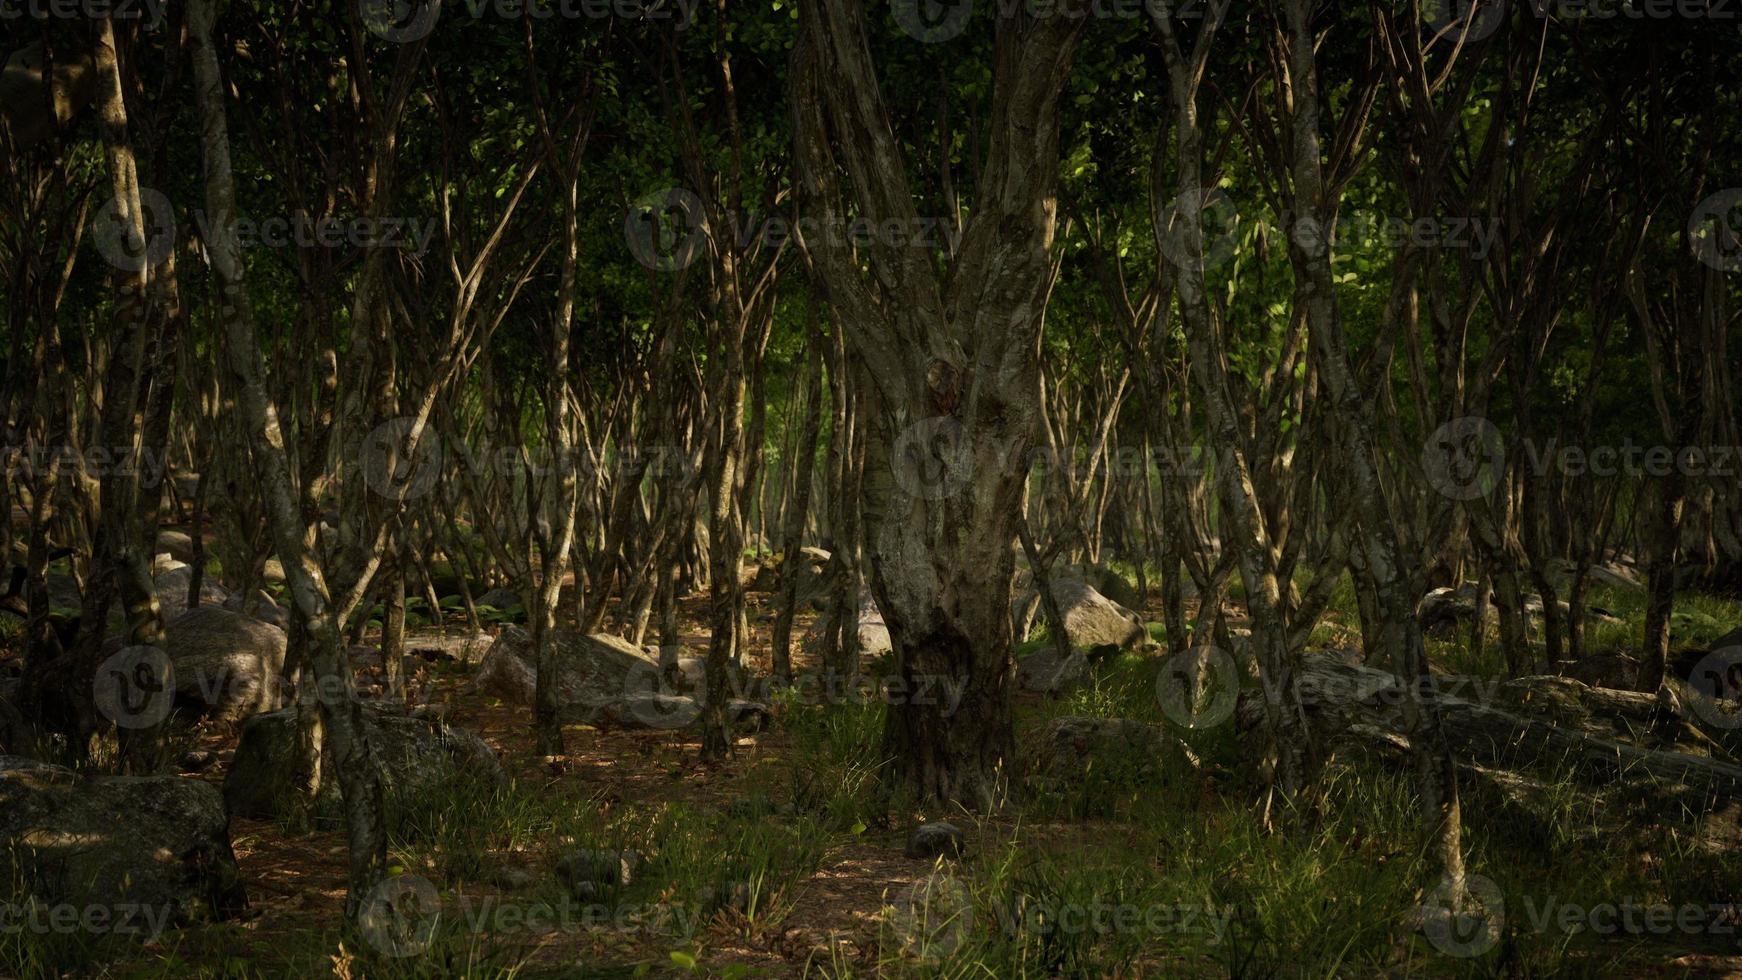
(227, 665)
(589, 873)
(178, 544)
(173, 586)
(934, 840)
(465, 648)
(418, 755)
(149, 850)
(1091, 619)
(874, 638)
(1043, 672)
(592, 670)
(500, 598)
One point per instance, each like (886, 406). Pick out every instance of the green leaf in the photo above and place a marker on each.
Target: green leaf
(683, 959)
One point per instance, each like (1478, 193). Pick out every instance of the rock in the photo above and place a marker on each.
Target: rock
(873, 633)
(196, 761)
(1091, 619)
(418, 755)
(466, 648)
(1070, 745)
(178, 543)
(227, 665)
(272, 571)
(172, 590)
(166, 562)
(501, 599)
(1114, 586)
(938, 839)
(1042, 671)
(1446, 608)
(146, 851)
(591, 670)
(267, 610)
(1617, 670)
(645, 710)
(591, 872)
(512, 879)
(687, 674)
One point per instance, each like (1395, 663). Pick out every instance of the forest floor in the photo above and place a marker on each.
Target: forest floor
(785, 861)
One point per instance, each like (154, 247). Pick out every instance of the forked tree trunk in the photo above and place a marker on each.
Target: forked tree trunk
(951, 364)
(341, 712)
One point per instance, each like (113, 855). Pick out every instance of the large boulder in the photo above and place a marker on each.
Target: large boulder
(418, 755)
(173, 585)
(873, 633)
(465, 648)
(592, 670)
(227, 665)
(266, 609)
(177, 543)
(1043, 672)
(1091, 619)
(139, 853)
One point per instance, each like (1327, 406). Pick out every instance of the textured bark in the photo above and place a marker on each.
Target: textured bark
(956, 356)
(341, 713)
(1394, 584)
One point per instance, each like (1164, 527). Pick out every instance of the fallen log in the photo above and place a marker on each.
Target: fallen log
(1598, 735)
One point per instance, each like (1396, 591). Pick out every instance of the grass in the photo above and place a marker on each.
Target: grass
(1157, 864)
